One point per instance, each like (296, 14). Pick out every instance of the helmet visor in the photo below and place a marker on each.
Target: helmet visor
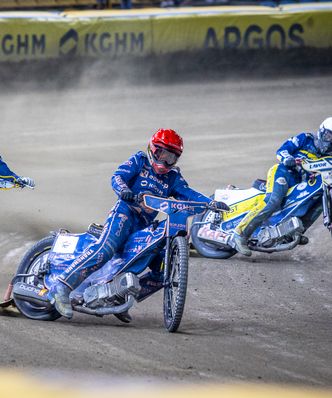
(327, 136)
(324, 141)
(165, 156)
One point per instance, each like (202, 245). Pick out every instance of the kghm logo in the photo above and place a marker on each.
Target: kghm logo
(69, 43)
(163, 206)
(22, 44)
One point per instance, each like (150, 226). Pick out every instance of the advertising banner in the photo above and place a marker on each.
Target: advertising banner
(23, 39)
(279, 30)
(161, 32)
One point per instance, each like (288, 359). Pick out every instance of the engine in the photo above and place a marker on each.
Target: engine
(268, 236)
(112, 293)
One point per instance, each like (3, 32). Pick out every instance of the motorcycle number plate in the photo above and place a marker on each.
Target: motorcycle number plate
(65, 244)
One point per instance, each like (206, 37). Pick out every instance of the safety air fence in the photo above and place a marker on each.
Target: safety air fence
(112, 33)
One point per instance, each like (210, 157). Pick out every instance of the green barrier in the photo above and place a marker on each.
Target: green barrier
(143, 32)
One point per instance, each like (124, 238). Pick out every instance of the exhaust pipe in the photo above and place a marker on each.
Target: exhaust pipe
(31, 293)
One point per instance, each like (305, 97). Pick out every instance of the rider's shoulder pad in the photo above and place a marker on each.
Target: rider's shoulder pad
(139, 157)
(300, 139)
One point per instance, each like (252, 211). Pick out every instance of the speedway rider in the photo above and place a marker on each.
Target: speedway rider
(283, 176)
(7, 175)
(153, 172)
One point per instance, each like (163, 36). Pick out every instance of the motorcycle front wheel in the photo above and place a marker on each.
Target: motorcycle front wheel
(206, 249)
(31, 263)
(176, 288)
(329, 208)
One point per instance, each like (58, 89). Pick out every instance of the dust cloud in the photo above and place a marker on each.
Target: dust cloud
(68, 124)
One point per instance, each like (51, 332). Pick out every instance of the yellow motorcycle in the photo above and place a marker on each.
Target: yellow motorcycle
(212, 234)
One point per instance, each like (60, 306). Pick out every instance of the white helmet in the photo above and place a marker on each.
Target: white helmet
(323, 139)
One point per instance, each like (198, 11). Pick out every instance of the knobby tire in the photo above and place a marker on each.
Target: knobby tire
(35, 311)
(176, 290)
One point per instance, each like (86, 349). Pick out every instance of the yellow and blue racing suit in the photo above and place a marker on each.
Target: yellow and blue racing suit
(125, 217)
(279, 179)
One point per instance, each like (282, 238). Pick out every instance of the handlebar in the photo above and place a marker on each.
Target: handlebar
(137, 199)
(20, 184)
(215, 206)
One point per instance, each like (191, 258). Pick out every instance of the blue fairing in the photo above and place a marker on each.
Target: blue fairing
(60, 261)
(229, 225)
(137, 254)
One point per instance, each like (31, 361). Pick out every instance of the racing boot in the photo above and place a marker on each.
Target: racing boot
(241, 244)
(124, 317)
(304, 240)
(59, 296)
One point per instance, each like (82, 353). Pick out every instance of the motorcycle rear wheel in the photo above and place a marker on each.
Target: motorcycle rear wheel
(176, 289)
(32, 260)
(205, 249)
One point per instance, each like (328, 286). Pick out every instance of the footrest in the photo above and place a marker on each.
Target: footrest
(7, 303)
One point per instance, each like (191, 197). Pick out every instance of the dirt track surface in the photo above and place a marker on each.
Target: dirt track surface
(265, 319)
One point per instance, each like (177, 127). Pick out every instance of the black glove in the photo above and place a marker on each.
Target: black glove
(127, 194)
(215, 205)
(289, 162)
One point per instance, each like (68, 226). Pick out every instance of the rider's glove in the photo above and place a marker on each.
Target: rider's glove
(289, 162)
(127, 194)
(215, 205)
(26, 182)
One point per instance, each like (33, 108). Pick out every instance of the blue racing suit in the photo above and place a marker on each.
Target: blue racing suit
(6, 173)
(279, 179)
(125, 218)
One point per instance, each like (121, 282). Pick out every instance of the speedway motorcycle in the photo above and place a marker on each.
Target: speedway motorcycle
(161, 247)
(212, 234)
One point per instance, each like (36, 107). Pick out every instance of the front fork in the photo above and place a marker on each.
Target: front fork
(167, 258)
(166, 261)
(327, 207)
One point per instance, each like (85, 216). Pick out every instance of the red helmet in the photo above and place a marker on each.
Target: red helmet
(165, 148)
